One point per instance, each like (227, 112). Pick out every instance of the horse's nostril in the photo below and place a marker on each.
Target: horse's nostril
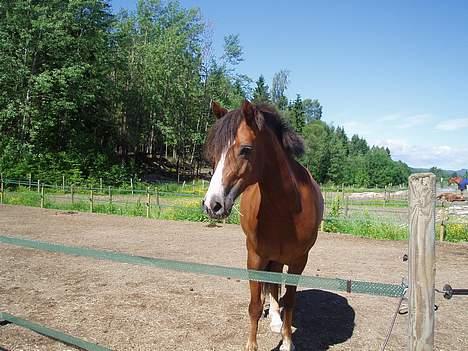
(217, 207)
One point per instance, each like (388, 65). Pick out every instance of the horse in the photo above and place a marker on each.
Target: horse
(450, 197)
(253, 151)
(461, 182)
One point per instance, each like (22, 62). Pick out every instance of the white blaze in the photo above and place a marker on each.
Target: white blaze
(216, 187)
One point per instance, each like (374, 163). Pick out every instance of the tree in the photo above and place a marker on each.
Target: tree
(317, 154)
(54, 78)
(297, 114)
(312, 110)
(232, 49)
(439, 173)
(278, 89)
(261, 92)
(358, 146)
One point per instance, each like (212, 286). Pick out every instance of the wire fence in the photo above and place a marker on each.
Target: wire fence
(344, 211)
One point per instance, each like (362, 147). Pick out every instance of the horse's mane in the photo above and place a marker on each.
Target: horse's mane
(224, 130)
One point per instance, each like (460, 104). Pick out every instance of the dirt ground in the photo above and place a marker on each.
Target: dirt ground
(126, 307)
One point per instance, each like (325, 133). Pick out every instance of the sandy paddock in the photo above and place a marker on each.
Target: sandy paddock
(127, 307)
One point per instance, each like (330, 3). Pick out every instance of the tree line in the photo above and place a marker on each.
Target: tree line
(88, 93)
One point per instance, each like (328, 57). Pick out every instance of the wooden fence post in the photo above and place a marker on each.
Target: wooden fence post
(157, 202)
(131, 185)
(63, 184)
(385, 196)
(72, 194)
(443, 220)
(42, 197)
(91, 202)
(29, 181)
(100, 185)
(110, 198)
(346, 205)
(421, 272)
(38, 186)
(1, 191)
(148, 202)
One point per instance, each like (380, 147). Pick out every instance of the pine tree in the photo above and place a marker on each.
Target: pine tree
(261, 92)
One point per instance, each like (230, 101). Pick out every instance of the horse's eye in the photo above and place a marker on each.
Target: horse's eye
(245, 150)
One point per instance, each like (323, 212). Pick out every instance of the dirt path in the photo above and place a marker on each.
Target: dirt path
(127, 307)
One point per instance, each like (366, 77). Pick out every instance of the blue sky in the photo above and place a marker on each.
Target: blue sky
(394, 72)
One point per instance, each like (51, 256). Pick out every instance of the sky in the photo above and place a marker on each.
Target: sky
(393, 72)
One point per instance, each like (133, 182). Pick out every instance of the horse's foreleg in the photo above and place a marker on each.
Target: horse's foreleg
(288, 303)
(275, 322)
(255, 306)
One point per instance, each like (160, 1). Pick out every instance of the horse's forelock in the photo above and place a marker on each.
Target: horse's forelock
(224, 130)
(222, 133)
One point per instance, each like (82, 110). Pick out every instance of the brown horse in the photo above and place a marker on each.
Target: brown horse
(461, 182)
(281, 206)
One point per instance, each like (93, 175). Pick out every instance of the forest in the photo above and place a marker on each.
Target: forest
(89, 93)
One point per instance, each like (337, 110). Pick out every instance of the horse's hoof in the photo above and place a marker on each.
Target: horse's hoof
(251, 347)
(276, 327)
(287, 347)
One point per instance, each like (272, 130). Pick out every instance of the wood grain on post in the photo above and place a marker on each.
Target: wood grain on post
(421, 275)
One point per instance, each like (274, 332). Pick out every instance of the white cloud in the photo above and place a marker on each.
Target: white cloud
(441, 156)
(391, 117)
(413, 121)
(405, 121)
(453, 124)
(360, 128)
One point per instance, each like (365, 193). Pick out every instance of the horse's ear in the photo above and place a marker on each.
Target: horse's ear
(251, 115)
(218, 110)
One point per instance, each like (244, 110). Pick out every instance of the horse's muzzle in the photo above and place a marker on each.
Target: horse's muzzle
(217, 207)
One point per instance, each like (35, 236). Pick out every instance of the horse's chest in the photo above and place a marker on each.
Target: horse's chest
(279, 239)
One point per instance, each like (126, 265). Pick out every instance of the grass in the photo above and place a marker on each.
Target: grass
(187, 208)
(368, 226)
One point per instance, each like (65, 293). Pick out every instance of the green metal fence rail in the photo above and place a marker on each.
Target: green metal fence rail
(6, 318)
(337, 284)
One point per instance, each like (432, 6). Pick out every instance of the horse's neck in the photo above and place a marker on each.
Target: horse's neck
(278, 184)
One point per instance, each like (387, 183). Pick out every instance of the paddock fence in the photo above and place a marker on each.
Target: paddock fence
(419, 291)
(378, 213)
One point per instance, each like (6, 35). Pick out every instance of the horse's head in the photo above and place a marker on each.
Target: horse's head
(454, 180)
(234, 146)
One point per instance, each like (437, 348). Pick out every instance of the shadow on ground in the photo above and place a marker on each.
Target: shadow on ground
(322, 319)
